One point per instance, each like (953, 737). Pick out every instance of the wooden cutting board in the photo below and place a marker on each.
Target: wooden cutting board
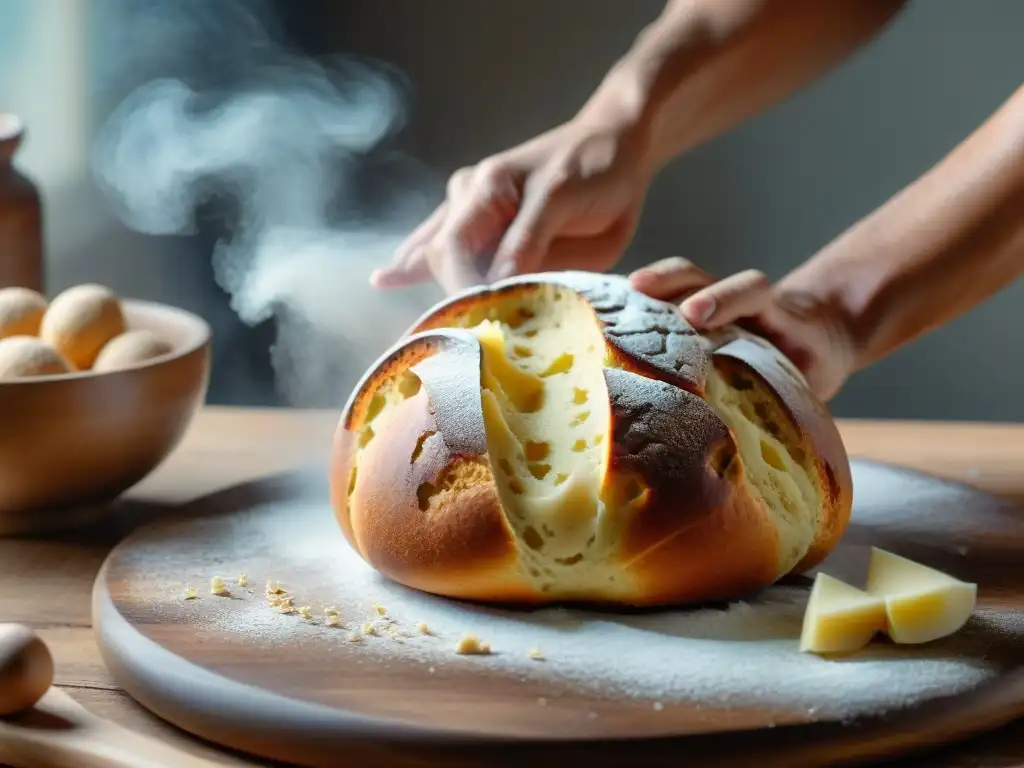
(722, 685)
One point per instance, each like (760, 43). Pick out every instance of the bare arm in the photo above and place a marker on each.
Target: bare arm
(704, 66)
(937, 249)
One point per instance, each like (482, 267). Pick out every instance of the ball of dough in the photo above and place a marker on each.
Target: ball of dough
(562, 437)
(131, 348)
(21, 312)
(80, 321)
(26, 669)
(26, 356)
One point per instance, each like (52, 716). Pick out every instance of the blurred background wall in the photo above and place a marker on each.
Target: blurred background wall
(481, 76)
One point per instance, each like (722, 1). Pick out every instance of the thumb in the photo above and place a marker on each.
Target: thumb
(527, 241)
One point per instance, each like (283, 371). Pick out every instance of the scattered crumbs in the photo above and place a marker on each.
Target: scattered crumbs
(285, 605)
(354, 638)
(306, 612)
(380, 609)
(243, 580)
(658, 706)
(369, 629)
(542, 702)
(218, 587)
(191, 593)
(471, 645)
(275, 588)
(536, 654)
(330, 611)
(333, 620)
(422, 628)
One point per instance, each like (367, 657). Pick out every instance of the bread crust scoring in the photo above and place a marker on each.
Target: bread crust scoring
(689, 511)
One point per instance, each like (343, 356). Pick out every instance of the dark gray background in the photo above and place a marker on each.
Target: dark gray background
(485, 75)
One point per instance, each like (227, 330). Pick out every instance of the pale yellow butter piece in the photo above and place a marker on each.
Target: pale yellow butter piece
(921, 603)
(840, 618)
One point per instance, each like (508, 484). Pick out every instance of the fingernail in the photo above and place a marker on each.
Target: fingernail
(502, 270)
(643, 278)
(699, 309)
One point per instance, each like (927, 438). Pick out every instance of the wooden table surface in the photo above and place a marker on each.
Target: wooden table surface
(47, 583)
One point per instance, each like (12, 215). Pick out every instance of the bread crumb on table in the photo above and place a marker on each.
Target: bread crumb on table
(306, 612)
(218, 587)
(422, 628)
(369, 629)
(380, 609)
(331, 611)
(243, 580)
(354, 637)
(536, 654)
(191, 593)
(333, 620)
(471, 645)
(275, 588)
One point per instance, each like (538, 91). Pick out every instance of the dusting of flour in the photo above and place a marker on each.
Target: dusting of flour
(745, 653)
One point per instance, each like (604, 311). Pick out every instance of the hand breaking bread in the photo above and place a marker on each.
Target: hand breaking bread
(562, 437)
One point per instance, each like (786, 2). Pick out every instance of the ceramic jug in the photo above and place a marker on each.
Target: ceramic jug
(21, 220)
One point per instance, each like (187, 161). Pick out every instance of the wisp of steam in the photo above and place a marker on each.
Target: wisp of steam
(285, 145)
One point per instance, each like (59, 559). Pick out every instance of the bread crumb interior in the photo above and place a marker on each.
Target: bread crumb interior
(779, 471)
(546, 412)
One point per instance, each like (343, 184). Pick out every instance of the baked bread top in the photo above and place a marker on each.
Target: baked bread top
(562, 437)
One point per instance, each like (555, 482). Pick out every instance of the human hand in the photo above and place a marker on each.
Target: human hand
(813, 334)
(568, 199)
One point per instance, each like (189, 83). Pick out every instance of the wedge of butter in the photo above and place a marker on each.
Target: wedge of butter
(921, 603)
(840, 618)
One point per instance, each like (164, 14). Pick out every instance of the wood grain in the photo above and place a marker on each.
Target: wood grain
(47, 583)
(306, 696)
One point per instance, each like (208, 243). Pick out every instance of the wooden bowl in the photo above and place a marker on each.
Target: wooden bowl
(81, 439)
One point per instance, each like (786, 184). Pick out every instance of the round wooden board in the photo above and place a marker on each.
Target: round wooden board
(720, 685)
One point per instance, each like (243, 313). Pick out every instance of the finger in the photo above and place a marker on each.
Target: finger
(597, 253)
(424, 233)
(670, 278)
(414, 271)
(744, 294)
(542, 214)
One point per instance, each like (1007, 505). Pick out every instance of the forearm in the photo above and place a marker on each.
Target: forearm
(940, 247)
(706, 65)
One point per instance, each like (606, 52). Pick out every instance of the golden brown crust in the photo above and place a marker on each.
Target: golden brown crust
(697, 533)
(424, 509)
(812, 427)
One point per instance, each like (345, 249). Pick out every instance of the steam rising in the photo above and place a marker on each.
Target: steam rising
(287, 146)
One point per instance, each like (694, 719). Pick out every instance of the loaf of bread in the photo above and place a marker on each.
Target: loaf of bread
(562, 437)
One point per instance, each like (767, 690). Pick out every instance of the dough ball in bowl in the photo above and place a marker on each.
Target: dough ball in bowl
(81, 320)
(131, 348)
(561, 437)
(26, 356)
(21, 312)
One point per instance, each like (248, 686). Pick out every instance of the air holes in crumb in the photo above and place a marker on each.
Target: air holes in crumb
(722, 458)
(571, 560)
(540, 471)
(742, 383)
(537, 451)
(418, 450)
(408, 384)
(424, 494)
(526, 314)
(580, 445)
(516, 486)
(530, 333)
(580, 418)
(377, 403)
(365, 436)
(352, 481)
(532, 539)
(771, 457)
(561, 364)
(560, 478)
(579, 396)
(598, 439)
(520, 351)
(506, 467)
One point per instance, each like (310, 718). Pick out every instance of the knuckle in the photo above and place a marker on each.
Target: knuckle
(458, 180)
(756, 279)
